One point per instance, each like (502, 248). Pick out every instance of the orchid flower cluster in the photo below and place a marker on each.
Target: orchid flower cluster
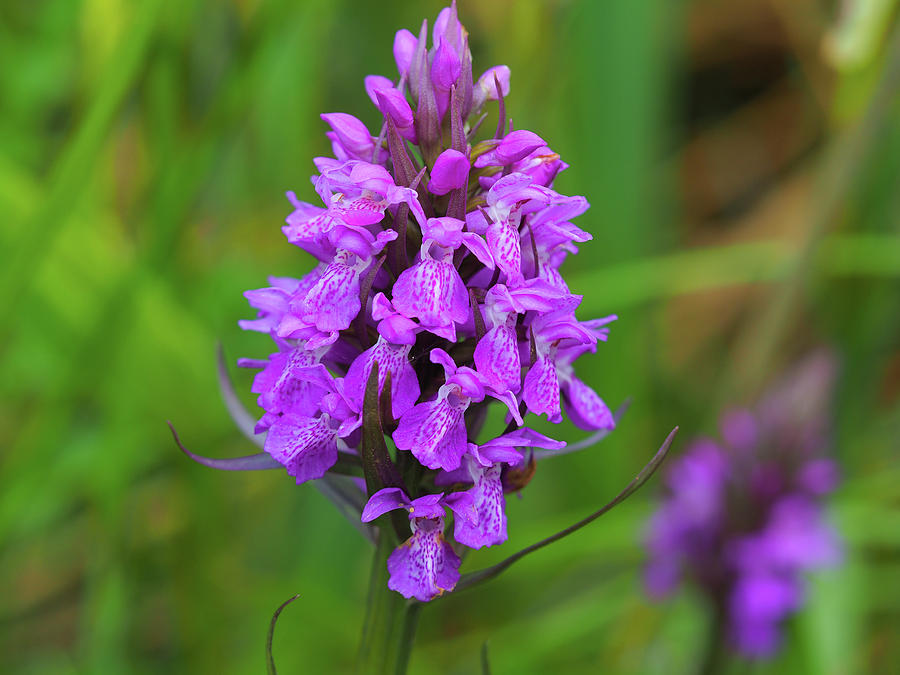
(437, 291)
(743, 518)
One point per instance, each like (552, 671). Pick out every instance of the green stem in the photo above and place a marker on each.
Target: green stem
(389, 627)
(715, 658)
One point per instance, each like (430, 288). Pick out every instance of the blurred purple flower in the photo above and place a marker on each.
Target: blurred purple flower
(743, 517)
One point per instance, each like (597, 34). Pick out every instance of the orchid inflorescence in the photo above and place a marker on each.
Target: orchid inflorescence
(437, 291)
(744, 519)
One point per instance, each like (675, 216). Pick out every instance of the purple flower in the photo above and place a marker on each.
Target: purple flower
(450, 171)
(439, 250)
(434, 431)
(482, 467)
(425, 565)
(743, 517)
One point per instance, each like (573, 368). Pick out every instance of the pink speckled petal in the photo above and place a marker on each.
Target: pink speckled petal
(391, 359)
(541, 391)
(506, 247)
(435, 433)
(425, 566)
(489, 528)
(281, 391)
(306, 446)
(333, 302)
(432, 292)
(497, 358)
(585, 408)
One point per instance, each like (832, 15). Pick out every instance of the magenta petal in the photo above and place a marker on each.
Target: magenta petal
(435, 433)
(351, 133)
(404, 47)
(478, 248)
(446, 67)
(427, 506)
(586, 409)
(522, 438)
(432, 292)
(386, 499)
(445, 231)
(391, 359)
(333, 302)
(425, 566)
(306, 446)
(281, 391)
(506, 247)
(541, 391)
(517, 145)
(489, 527)
(486, 87)
(393, 104)
(374, 83)
(497, 358)
(450, 171)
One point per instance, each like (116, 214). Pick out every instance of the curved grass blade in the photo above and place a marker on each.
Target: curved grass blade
(257, 462)
(270, 660)
(473, 578)
(593, 439)
(239, 415)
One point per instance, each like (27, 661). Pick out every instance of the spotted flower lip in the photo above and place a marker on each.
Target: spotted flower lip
(425, 565)
(436, 292)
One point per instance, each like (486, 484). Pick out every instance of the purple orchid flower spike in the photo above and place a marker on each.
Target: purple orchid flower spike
(425, 565)
(438, 243)
(743, 520)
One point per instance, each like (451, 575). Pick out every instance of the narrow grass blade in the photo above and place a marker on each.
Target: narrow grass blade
(270, 660)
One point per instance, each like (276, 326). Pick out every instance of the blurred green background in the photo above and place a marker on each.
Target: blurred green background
(743, 162)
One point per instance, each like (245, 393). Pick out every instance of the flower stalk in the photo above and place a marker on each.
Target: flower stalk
(390, 622)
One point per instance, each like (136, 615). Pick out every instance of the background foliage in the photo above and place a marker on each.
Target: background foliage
(742, 160)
